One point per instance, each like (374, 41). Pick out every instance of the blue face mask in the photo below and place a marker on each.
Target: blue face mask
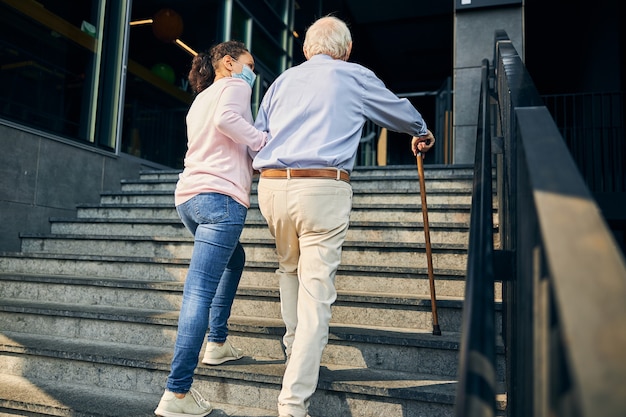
(246, 74)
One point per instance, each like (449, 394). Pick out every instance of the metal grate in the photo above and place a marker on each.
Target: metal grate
(592, 125)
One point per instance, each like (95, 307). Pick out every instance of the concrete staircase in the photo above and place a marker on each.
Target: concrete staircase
(88, 312)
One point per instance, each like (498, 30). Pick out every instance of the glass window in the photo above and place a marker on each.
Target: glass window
(162, 42)
(64, 69)
(239, 24)
(48, 61)
(279, 6)
(62, 66)
(267, 51)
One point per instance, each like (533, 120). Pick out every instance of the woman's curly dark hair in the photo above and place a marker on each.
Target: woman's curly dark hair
(203, 65)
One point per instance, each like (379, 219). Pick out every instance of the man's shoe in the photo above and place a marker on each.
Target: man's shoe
(191, 405)
(216, 354)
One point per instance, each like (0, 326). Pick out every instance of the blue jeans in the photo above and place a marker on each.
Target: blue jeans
(217, 262)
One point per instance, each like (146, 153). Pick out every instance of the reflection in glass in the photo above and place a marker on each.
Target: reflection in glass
(47, 65)
(65, 70)
(157, 96)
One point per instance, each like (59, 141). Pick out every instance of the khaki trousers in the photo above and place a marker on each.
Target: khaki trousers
(309, 219)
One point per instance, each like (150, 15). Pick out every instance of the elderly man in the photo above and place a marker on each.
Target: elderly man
(314, 113)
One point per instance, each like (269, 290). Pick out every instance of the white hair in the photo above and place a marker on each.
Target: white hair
(330, 36)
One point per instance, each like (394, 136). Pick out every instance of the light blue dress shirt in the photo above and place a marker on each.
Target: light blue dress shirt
(315, 112)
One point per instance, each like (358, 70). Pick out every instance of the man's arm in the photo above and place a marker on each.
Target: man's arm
(384, 108)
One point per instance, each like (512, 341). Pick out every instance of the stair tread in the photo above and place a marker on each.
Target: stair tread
(357, 206)
(466, 191)
(157, 285)
(397, 299)
(177, 286)
(436, 247)
(343, 268)
(54, 398)
(88, 311)
(464, 226)
(362, 177)
(340, 332)
(359, 169)
(344, 378)
(136, 314)
(93, 281)
(249, 223)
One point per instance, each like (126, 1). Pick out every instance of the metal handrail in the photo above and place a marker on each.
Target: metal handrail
(476, 389)
(564, 303)
(564, 276)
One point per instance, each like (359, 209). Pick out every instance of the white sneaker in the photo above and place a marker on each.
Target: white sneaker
(216, 354)
(191, 405)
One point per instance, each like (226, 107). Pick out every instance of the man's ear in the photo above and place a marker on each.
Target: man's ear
(348, 52)
(306, 54)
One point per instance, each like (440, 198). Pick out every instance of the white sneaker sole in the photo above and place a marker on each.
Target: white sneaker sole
(219, 361)
(162, 413)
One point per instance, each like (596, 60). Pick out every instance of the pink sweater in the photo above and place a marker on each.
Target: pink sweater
(219, 133)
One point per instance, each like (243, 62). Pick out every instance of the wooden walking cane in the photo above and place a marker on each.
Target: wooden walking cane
(429, 253)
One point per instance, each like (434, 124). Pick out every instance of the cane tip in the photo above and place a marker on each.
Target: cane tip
(436, 330)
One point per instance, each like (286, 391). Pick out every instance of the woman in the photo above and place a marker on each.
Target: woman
(212, 197)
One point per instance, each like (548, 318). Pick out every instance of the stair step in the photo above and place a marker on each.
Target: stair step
(350, 308)
(359, 183)
(161, 198)
(36, 397)
(371, 279)
(375, 344)
(456, 233)
(381, 196)
(163, 295)
(453, 256)
(447, 283)
(250, 382)
(431, 171)
(145, 226)
(171, 269)
(362, 212)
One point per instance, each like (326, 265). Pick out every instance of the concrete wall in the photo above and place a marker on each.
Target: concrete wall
(474, 32)
(43, 177)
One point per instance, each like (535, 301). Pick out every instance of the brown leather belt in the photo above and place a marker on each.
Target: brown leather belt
(306, 173)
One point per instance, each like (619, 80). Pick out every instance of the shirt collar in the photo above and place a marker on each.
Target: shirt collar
(320, 57)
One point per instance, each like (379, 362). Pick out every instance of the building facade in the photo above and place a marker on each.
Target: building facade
(92, 92)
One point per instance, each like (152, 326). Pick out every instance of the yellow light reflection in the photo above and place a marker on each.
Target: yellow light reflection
(141, 22)
(185, 47)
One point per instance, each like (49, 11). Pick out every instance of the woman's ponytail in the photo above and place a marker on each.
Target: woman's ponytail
(201, 74)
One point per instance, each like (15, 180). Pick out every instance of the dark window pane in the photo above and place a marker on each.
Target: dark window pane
(157, 96)
(47, 66)
(267, 50)
(238, 24)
